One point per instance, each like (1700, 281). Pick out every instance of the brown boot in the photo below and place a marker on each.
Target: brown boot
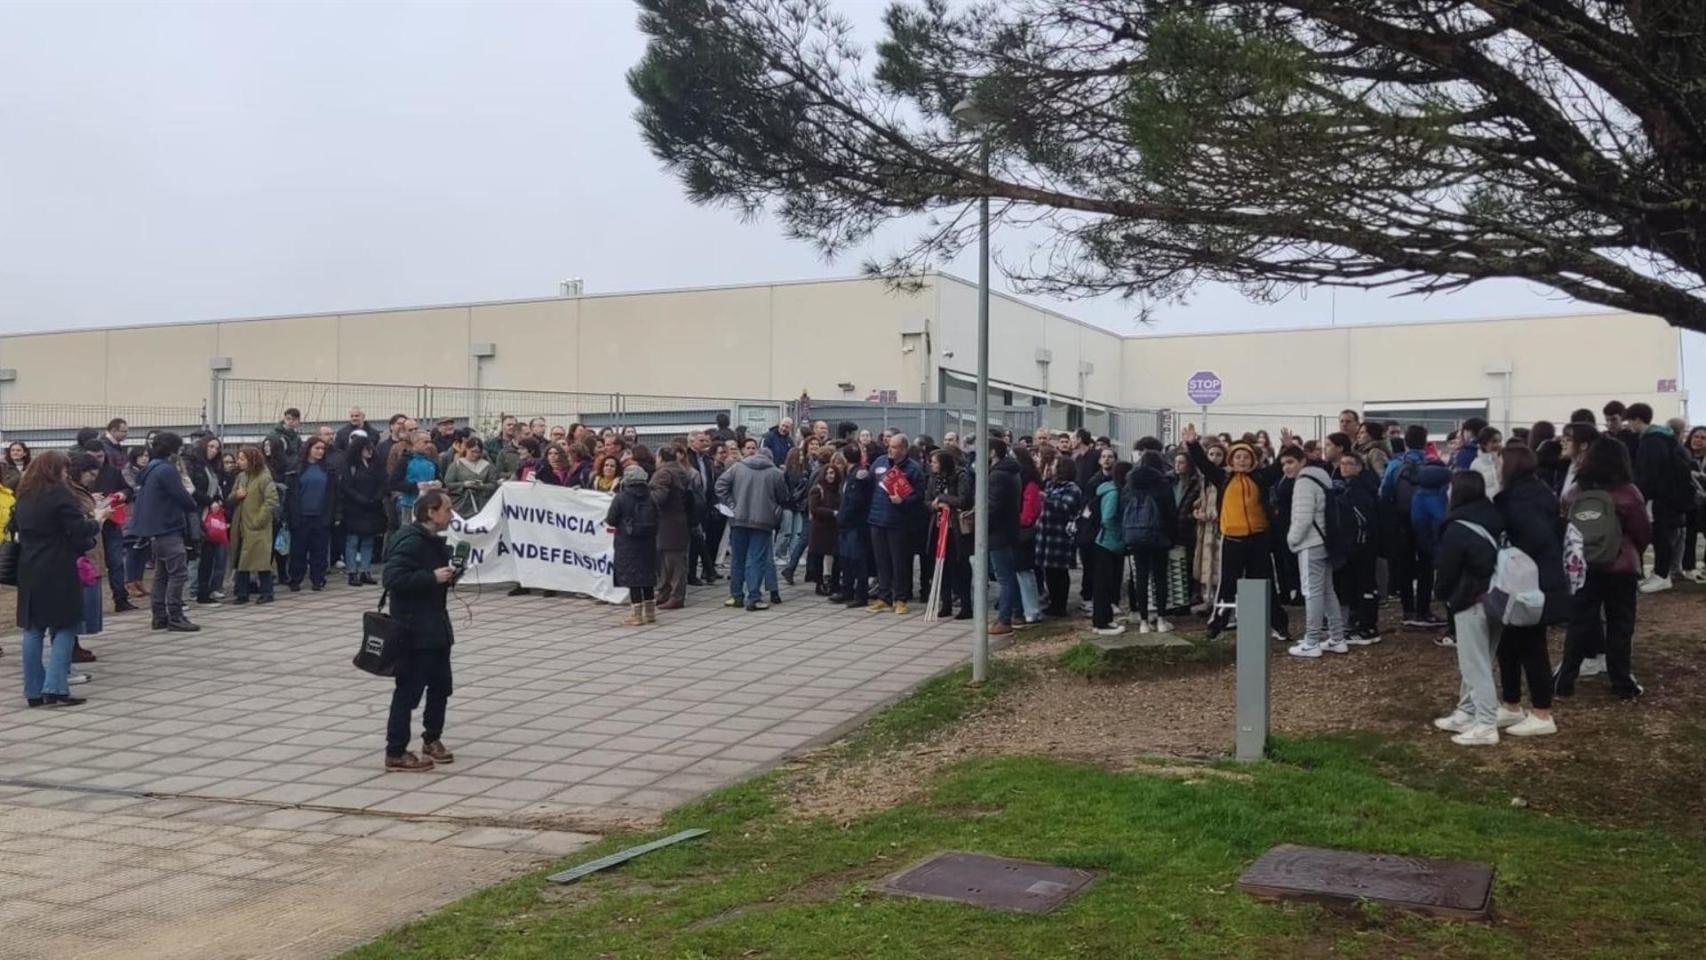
(408, 763)
(436, 751)
(637, 618)
(650, 611)
(671, 605)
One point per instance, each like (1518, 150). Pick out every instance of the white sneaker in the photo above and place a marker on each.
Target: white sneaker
(1162, 626)
(1273, 633)
(1445, 640)
(73, 679)
(1142, 626)
(1509, 718)
(1111, 631)
(1532, 726)
(1362, 639)
(1336, 646)
(217, 594)
(1458, 722)
(1592, 667)
(1655, 584)
(1305, 649)
(1480, 735)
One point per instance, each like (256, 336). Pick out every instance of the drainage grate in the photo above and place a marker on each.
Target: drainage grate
(994, 882)
(1455, 889)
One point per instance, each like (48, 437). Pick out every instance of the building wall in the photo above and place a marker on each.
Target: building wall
(1275, 378)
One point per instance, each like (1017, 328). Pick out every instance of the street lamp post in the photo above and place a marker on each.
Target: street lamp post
(968, 113)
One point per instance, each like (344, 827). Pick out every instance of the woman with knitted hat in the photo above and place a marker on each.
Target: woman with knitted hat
(1245, 550)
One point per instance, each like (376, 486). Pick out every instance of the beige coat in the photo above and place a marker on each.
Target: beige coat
(251, 523)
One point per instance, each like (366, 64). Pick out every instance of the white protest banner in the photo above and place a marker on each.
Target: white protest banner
(541, 536)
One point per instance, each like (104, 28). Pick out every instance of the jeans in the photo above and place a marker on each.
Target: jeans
(171, 576)
(240, 584)
(358, 554)
(1320, 604)
(422, 671)
(1477, 638)
(136, 560)
(893, 546)
(1668, 531)
(1602, 617)
(112, 547)
(38, 681)
(713, 525)
(1001, 560)
(749, 557)
(850, 565)
(1030, 598)
(798, 549)
(209, 569)
(791, 532)
(308, 544)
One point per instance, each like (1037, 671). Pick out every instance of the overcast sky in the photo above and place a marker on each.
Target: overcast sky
(169, 162)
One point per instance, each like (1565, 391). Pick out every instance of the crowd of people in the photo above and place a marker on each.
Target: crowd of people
(1340, 526)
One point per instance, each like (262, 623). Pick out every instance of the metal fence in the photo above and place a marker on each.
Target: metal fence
(923, 419)
(56, 424)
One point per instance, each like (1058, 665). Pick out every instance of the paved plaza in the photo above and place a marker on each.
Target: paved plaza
(235, 774)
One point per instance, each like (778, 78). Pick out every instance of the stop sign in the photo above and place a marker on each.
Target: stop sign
(1203, 387)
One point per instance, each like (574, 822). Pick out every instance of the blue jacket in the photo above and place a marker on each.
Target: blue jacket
(1466, 455)
(419, 469)
(778, 445)
(894, 515)
(1427, 510)
(162, 504)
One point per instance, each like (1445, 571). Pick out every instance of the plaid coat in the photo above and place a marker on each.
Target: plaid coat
(1056, 547)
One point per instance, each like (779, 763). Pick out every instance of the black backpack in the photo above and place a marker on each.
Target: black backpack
(1406, 486)
(641, 517)
(1343, 524)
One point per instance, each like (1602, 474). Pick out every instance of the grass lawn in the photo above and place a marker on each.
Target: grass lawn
(767, 883)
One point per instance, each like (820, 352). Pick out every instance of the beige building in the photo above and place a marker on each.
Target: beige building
(857, 340)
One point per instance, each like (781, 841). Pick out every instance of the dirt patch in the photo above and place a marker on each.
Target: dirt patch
(1609, 758)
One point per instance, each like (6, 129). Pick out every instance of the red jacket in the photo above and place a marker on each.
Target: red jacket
(1030, 505)
(1637, 529)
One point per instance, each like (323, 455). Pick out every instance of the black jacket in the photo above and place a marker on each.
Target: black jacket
(856, 493)
(1362, 494)
(1661, 471)
(1005, 488)
(1464, 560)
(417, 598)
(634, 557)
(52, 532)
(1535, 525)
(361, 497)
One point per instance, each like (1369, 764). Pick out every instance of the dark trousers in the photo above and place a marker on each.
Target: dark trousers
(1694, 527)
(112, 547)
(1058, 582)
(1249, 558)
(1149, 581)
(1523, 650)
(1414, 571)
(713, 525)
(1666, 524)
(893, 547)
(308, 545)
(1602, 616)
(1105, 569)
(640, 595)
(209, 570)
(1358, 593)
(1087, 561)
(422, 671)
(850, 565)
(171, 576)
(240, 583)
(956, 579)
(1286, 575)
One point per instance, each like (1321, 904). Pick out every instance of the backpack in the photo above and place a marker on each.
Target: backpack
(1405, 487)
(641, 517)
(1141, 523)
(1513, 596)
(1344, 527)
(1593, 516)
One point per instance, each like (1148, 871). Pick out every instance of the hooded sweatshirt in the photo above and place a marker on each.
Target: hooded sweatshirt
(755, 489)
(1464, 560)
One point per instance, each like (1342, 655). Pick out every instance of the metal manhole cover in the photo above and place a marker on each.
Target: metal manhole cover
(994, 882)
(1457, 889)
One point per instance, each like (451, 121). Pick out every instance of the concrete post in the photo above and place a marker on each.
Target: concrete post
(1253, 607)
